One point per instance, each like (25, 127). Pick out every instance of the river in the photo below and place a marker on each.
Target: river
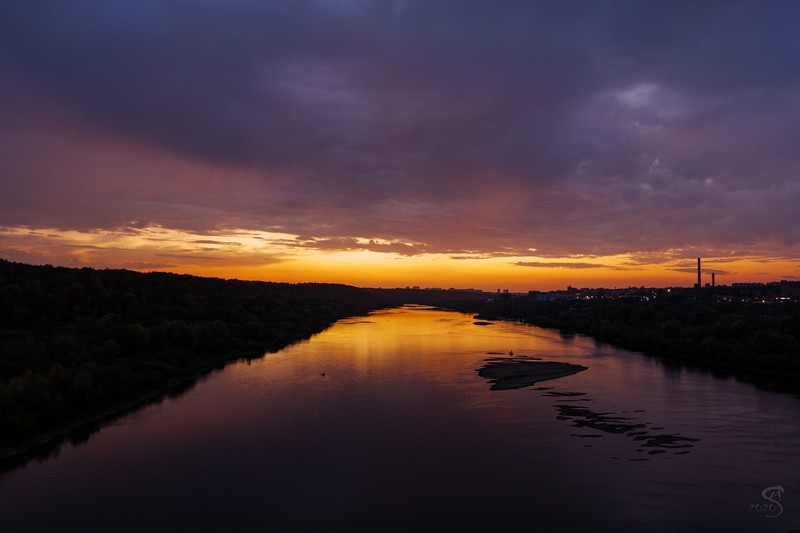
(401, 434)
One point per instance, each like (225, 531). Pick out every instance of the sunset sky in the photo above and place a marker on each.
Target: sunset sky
(449, 143)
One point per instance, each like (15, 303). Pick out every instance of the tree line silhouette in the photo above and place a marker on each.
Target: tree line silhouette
(76, 341)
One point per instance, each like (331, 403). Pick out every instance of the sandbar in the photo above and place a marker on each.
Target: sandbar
(517, 373)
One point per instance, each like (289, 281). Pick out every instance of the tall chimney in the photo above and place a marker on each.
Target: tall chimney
(698, 273)
(713, 281)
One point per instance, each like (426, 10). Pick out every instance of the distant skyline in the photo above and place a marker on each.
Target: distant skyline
(456, 143)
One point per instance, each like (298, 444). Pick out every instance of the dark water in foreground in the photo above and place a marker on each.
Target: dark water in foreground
(402, 434)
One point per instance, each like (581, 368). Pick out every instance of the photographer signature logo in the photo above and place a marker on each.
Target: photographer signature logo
(772, 508)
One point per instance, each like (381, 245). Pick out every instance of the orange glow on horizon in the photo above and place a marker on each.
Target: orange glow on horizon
(263, 256)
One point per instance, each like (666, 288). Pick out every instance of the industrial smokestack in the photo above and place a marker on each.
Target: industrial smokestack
(699, 281)
(713, 280)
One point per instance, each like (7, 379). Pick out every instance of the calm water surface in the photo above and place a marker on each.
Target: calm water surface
(401, 433)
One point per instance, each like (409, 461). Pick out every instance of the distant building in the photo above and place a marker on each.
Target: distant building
(699, 275)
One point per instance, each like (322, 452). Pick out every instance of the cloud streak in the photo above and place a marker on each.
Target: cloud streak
(540, 264)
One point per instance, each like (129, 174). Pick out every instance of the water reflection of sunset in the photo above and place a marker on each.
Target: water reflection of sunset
(403, 425)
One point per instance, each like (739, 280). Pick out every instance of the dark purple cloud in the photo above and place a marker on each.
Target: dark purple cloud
(458, 126)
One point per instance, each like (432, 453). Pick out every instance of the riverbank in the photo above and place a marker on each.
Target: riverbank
(80, 344)
(22, 450)
(752, 340)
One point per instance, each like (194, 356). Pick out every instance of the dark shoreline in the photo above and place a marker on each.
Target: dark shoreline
(21, 452)
(786, 382)
(27, 449)
(755, 339)
(78, 346)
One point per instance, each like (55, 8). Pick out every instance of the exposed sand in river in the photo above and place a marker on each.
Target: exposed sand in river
(519, 372)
